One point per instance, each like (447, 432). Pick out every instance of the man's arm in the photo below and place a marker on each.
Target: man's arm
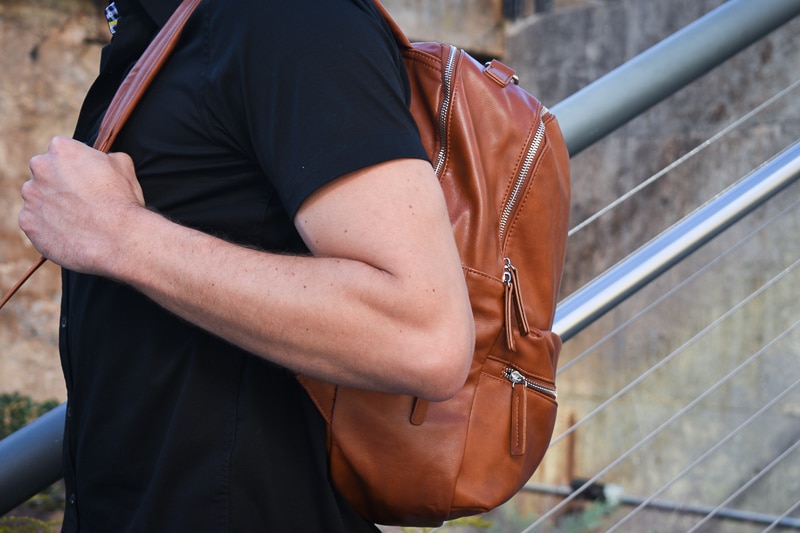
(382, 303)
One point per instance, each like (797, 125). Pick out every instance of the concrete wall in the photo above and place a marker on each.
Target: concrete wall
(560, 53)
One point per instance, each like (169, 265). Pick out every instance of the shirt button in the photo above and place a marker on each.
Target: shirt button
(72, 499)
(63, 321)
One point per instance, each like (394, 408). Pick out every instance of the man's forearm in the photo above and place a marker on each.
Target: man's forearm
(335, 319)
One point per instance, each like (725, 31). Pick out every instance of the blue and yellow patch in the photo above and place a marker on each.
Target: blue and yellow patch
(112, 16)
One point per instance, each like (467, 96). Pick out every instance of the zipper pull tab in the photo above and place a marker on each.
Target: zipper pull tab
(513, 301)
(519, 412)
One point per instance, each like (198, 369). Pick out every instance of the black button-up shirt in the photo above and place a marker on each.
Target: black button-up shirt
(170, 428)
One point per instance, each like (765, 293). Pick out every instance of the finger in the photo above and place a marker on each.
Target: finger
(25, 218)
(59, 143)
(35, 164)
(25, 190)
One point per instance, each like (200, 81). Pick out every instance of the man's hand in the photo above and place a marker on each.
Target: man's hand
(75, 202)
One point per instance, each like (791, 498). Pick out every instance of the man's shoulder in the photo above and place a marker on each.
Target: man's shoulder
(299, 23)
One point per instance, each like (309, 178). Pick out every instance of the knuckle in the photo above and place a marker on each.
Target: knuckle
(23, 221)
(58, 141)
(26, 190)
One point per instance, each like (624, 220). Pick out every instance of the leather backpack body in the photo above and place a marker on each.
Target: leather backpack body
(504, 168)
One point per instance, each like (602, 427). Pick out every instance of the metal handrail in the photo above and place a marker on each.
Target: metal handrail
(662, 70)
(641, 267)
(30, 459)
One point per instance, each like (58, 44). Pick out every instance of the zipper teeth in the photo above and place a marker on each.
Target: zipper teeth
(520, 378)
(448, 96)
(521, 177)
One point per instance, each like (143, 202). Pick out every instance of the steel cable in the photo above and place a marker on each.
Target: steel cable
(697, 337)
(677, 415)
(691, 153)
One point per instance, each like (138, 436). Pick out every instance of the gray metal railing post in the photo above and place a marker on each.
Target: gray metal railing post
(626, 92)
(30, 459)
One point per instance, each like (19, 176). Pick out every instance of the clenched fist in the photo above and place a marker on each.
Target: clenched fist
(77, 203)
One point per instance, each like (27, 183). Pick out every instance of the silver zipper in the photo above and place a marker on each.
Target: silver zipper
(445, 108)
(517, 378)
(522, 177)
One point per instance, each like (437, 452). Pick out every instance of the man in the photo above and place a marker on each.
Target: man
(189, 297)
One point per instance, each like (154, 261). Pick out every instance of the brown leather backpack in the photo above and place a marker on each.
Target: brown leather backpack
(504, 169)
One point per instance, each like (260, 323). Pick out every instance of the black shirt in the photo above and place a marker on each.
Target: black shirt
(170, 428)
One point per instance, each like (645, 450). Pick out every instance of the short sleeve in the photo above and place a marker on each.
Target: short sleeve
(314, 89)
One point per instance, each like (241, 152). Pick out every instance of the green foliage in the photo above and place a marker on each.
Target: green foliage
(588, 520)
(48, 501)
(473, 521)
(25, 524)
(511, 519)
(16, 411)
(467, 521)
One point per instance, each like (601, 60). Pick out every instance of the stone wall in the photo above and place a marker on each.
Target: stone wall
(50, 54)
(475, 25)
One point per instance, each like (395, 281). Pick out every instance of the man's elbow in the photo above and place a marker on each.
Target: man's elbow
(448, 363)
